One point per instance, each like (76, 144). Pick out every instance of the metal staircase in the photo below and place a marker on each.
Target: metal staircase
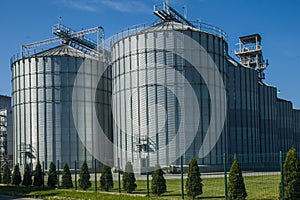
(76, 39)
(3, 137)
(167, 13)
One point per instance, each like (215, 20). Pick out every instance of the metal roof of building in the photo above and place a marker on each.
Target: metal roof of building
(250, 38)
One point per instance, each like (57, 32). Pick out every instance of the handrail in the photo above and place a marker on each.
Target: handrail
(131, 30)
(204, 27)
(247, 48)
(73, 34)
(211, 29)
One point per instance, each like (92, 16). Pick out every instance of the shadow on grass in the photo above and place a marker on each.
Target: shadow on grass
(21, 191)
(37, 195)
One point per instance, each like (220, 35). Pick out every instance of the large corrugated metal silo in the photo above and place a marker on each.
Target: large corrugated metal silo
(44, 123)
(152, 111)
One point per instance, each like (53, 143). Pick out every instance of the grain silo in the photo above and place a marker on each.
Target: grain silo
(151, 68)
(45, 125)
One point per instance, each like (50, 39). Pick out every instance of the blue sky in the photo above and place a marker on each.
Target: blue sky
(23, 22)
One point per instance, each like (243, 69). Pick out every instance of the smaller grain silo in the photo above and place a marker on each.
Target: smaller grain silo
(46, 126)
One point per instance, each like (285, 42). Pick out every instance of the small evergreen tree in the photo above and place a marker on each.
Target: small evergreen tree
(236, 186)
(27, 180)
(291, 175)
(6, 175)
(66, 177)
(128, 178)
(38, 175)
(52, 175)
(194, 182)
(106, 179)
(16, 176)
(84, 177)
(158, 183)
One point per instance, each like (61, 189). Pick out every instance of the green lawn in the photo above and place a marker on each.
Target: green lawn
(258, 187)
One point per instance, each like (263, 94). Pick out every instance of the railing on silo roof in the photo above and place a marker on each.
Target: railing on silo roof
(204, 27)
(210, 29)
(129, 31)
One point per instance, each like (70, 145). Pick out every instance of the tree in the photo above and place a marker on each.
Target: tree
(27, 180)
(106, 179)
(6, 175)
(66, 177)
(158, 183)
(52, 175)
(194, 182)
(84, 177)
(16, 176)
(128, 178)
(236, 186)
(291, 175)
(38, 175)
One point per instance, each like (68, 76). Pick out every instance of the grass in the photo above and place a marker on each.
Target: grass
(262, 187)
(258, 187)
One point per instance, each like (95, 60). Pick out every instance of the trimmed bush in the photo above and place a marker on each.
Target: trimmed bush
(52, 175)
(291, 175)
(16, 176)
(27, 177)
(194, 182)
(38, 175)
(84, 177)
(129, 179)
(6, 175)
(158, 183)
(106, 179)
(236, 186)
(66, 177)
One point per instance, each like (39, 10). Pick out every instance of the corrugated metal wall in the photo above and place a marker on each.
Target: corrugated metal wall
(42, 106)
(146, 57)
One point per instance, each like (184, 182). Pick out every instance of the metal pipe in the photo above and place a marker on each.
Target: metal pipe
(182, 181)
(281, 176)
(119, 176)
(225, 176)
(95, 174)
(57, 173)
(75, 175)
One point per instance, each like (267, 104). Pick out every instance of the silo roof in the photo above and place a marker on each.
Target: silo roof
(169, 25)
(63, 50)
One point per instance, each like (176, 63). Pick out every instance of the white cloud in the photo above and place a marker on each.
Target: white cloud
(76, 4)
(126, 6)
(94, 5)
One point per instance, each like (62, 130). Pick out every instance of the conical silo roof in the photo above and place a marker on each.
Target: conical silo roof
(63, 50)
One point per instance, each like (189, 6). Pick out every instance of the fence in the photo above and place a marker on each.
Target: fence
(263, 178)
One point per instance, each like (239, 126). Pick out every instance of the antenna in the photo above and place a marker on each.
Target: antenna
(184, 12)
(167, 2)
(59, 19)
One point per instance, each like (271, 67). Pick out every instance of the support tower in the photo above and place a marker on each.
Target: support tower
(250, 53)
